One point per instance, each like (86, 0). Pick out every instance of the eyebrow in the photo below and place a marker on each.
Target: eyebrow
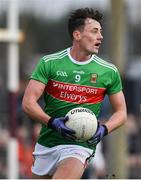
(95, 28)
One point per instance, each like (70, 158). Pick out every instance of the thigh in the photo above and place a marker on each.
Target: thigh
(45, 162)
(69, 168)
(34, 176)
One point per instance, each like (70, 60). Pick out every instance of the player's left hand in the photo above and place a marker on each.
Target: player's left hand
(98, 136)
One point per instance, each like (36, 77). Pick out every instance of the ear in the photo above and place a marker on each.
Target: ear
(77, 35)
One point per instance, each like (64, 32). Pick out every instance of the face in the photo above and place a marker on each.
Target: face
(90, 38)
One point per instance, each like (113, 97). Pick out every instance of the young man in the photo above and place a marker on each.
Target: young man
(68, 79)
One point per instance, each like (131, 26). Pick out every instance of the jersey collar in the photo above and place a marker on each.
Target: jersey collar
(78, 62)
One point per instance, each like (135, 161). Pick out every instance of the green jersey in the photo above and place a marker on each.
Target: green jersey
(71, 84)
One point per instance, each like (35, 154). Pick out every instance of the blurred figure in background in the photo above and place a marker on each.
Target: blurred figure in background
(25, 148)
(4, 138)
(134, 146)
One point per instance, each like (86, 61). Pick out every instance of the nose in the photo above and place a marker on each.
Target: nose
(100, 36)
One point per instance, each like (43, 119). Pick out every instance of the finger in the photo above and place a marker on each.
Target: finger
(98, 124)
(66, 118)
(71, 137)
(64, 134)
(59, 130)
(68, 130)
(97, 129)
(92, 144)
(93, 141)
(68, 134)
(94, 138)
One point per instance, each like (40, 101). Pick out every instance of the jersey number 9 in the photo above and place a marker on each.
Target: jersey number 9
(77, 78)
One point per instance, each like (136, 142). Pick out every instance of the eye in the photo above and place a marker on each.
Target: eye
(94, 31)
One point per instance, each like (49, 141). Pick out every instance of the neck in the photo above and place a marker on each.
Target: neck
(79, 55)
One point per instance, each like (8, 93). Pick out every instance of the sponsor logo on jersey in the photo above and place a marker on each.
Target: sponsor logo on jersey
(93, 78)
(61, 73)
(78, 72)
(75, 93)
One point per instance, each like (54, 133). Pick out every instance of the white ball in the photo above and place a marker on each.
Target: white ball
(83, 121)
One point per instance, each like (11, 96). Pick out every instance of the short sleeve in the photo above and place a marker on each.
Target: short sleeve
(41, 72)
(116, 85)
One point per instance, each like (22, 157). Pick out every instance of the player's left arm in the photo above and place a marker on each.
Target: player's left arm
(119, 116)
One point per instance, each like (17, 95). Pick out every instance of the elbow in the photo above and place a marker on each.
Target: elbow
(25, 105)
(124, 117)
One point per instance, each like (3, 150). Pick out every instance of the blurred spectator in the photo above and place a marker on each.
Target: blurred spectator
(25, 152)
(134, 147)
(4, 137)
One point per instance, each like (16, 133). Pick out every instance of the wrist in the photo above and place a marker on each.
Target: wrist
(105, 129)
(49, 123)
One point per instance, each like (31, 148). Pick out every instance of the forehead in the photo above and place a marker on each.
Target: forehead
(91, 23)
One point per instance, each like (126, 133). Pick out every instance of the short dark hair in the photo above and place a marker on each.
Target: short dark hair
(78, 17)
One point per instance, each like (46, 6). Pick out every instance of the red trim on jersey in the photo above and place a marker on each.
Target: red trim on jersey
(75, 93)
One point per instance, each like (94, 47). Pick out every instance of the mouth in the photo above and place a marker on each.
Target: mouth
(97, 45)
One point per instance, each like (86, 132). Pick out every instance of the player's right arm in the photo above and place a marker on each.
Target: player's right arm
(31, 107)
(30, 104)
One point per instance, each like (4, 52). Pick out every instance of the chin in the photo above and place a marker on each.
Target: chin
(95, 52)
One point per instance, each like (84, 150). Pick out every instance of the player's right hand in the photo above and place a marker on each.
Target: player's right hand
(58, 124)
